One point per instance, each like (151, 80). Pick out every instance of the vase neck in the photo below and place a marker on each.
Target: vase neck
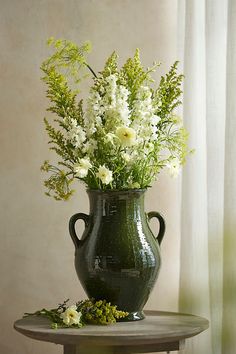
(130, 202)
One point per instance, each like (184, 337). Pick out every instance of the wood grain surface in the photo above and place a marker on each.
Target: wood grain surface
(156, 331)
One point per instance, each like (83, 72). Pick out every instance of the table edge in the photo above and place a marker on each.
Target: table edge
(108, 340)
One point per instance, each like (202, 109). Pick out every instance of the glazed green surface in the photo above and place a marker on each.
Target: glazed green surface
(118, 257)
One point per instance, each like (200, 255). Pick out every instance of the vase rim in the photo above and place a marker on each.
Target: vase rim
(117, 191)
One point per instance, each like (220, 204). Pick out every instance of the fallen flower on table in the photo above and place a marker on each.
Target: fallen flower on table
(83, 312)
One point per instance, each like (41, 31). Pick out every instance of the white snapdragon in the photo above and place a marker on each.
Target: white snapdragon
(115, 103)
(146, 120)
(81, 168)
(104, 174)
(71, 316)
(110, 109)
(94, 111)
(122, 107)
(126, 135)
(90, 146)
(76, 134)
(155, 119)
(173, 167)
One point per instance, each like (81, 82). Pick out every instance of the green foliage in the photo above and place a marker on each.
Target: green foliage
(54, 315)
(133, 74)
(58, 184)
(68, 57)
(57, 140)
(99, 312)
(110, 66)
(66, 62)
(62, 98)
(87, 136)
(167, 95)
(92, 312)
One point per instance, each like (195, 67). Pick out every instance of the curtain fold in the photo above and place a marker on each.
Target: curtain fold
(207, 36)
(194, 282)
(229, 273)
(216, 52)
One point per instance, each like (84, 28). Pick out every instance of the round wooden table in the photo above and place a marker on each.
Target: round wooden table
(158, 332)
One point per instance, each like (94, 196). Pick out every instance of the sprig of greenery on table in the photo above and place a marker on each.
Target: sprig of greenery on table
(84, 312)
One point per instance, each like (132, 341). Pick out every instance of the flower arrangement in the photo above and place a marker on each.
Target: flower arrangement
(125, 133)
(82, 313)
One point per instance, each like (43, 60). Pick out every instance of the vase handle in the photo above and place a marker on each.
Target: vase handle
(73, 219)
(162, 228)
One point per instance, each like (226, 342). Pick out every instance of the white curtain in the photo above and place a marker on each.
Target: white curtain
(207, 50)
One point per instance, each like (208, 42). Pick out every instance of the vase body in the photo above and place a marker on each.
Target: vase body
(118, 257)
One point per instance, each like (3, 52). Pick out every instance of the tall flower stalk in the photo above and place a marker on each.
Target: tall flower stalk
(125, 132)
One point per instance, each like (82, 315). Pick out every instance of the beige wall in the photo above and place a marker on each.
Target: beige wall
(36, 253)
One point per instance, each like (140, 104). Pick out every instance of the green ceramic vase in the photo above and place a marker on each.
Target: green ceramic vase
(118, 257)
